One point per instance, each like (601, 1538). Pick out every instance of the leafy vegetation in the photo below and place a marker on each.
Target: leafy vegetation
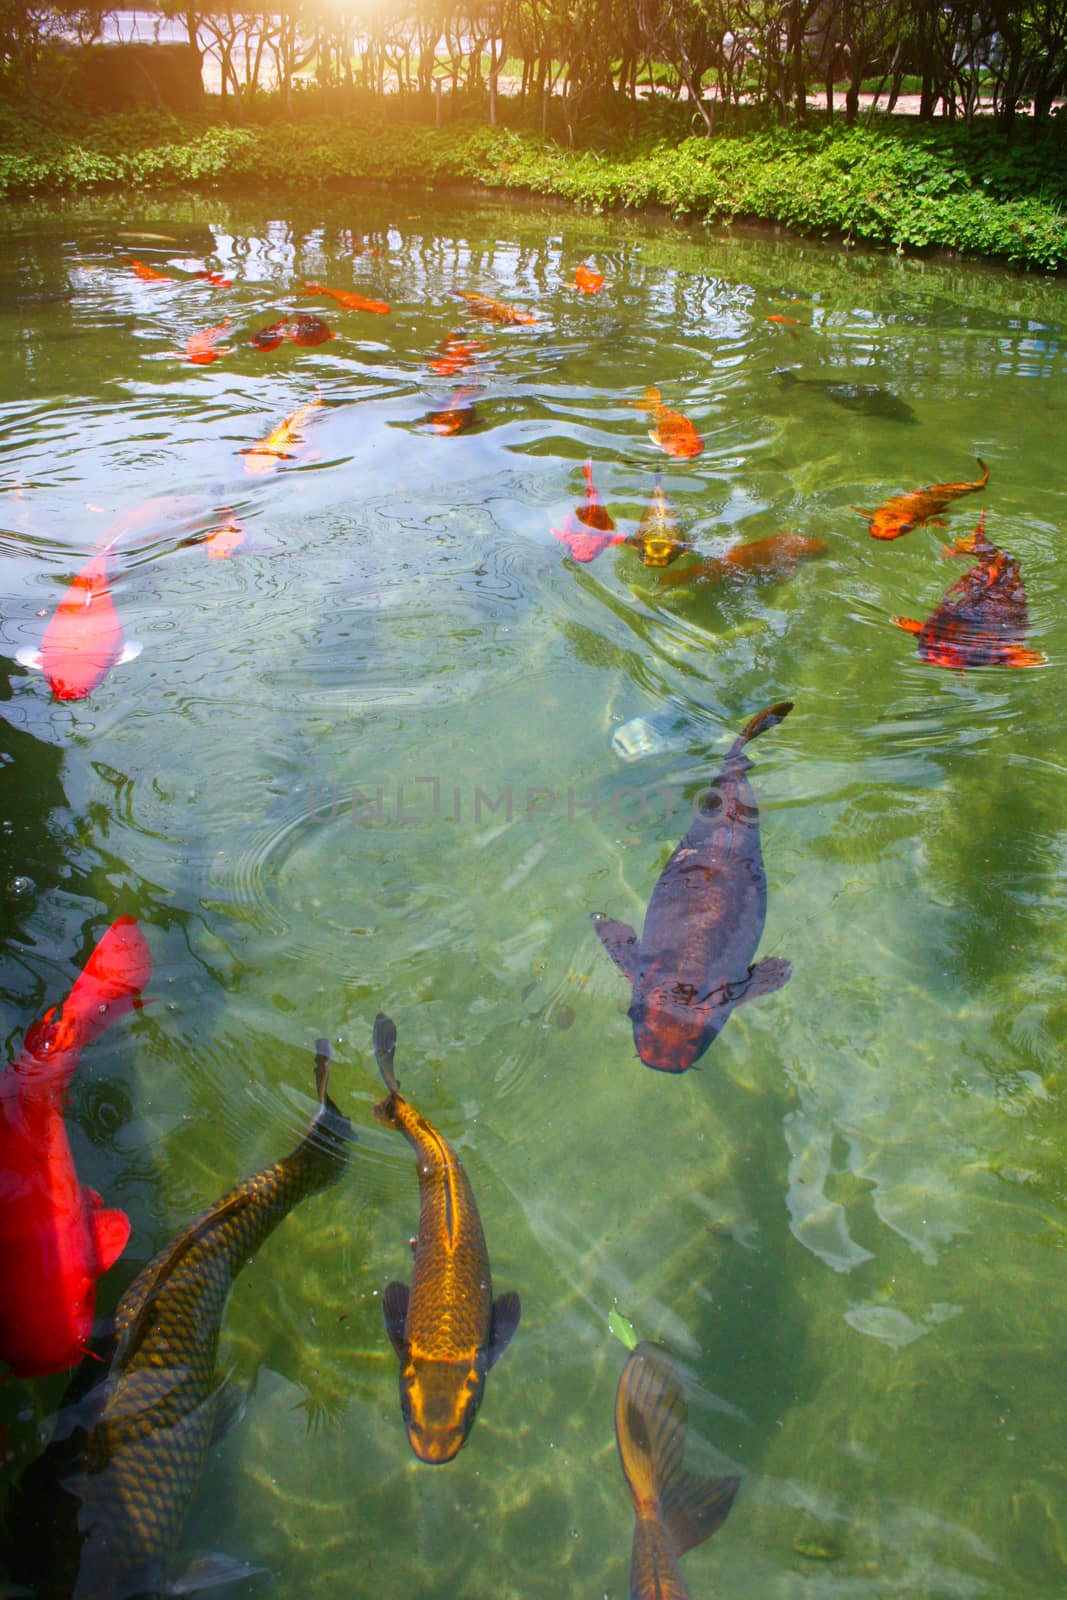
(907, 186)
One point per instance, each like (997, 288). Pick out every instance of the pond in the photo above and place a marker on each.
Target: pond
(392, 750)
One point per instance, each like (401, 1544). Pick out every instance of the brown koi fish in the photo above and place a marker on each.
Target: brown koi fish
(776, 556)
(693, 963)
(446, 1329)
(982, 620)
(589, 528)
(902, 512)
(264, 456)
(347, 300)
(494, 310)
(675, 1509)
(658, 538)
(674, 433)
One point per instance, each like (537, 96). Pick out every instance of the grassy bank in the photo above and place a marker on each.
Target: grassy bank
(896, 184)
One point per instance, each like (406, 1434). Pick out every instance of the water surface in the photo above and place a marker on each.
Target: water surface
(368, 764)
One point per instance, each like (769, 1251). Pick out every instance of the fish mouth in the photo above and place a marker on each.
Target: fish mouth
(437, 1450)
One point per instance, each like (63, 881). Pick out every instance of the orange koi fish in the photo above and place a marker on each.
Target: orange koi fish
(777, 317)
(446, 1328)
(586, 281)
(457, 416)
(589, 528)
(455, 354)
(983, 618)
(200, 347)
(84, 639)
(673, 433)
(308, 329)
(675, 1509)
(216, 279)
(495, 310)
(347, 300)
(56, 1237)
(226, 538)
(903, 512)
(776, 556)
(149, 274)
(658, 537)
(264, 456)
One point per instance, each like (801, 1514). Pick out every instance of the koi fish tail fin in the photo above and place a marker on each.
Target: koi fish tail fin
(384, 1048)
(1016, 656)
(984, 479)
(587, 474)
(651, 400)
(908, 624)
(331, 1127)
(651, 1417)
(770, 717)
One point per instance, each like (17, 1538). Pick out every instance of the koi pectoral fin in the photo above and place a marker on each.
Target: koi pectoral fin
(764, 978)
(29, 658)
(210, 1572)
(505, 1320)
(395, 1311)
(909, 624)
(620, 942)
(130, 651)
(111, 1230)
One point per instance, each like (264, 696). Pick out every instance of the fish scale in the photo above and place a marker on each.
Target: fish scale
(111, 1523)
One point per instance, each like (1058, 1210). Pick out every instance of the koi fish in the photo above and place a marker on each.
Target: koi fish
(675, 1509)
(226, 538)
(903, 512)
(347, 300)
(457, 416)
(982, 620)
(200, 347)
(494, 310)
(84, 639)
(776, 316)
(586, 281)
(589, 528)
(100, 1513)
(693, 962)
(264, 456)
(216, 279)
(673, 433)
(56, 1237)
(657, 538)
(308, 329)
(866, 399)
(270, 337)
(447, 1329)
(455, 355)
(776, 556)
(148, 274)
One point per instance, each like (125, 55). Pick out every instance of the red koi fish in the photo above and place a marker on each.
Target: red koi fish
(903, 512)
(586, 281)
(455, 355)
(673, 433)
(675, 1510)
(494, 310)
(270, 337)
(589, 528)
(265, 455)
(56, 1238)
(226, 538)
(307, 329)
(457, 416)
(216, 279)
(200, 347)
(983, 618)
(148, 274)
(776, 556)
(84, 639)
(658, 538)
(347, 300)
(692, 964)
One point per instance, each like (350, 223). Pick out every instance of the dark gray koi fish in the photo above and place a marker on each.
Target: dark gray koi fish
(865, 399)
(99, 1515)
(446, 1329)
(692, 963)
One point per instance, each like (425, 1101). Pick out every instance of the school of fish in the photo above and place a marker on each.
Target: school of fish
(99, 1514)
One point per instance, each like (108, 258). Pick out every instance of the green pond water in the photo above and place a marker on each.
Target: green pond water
(849, 1224)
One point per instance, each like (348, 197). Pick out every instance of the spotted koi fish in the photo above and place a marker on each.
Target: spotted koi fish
(482, 305)
(274, 447)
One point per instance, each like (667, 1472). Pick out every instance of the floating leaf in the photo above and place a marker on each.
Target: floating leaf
(622, 1328)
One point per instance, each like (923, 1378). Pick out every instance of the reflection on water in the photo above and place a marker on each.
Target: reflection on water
(390, 748)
